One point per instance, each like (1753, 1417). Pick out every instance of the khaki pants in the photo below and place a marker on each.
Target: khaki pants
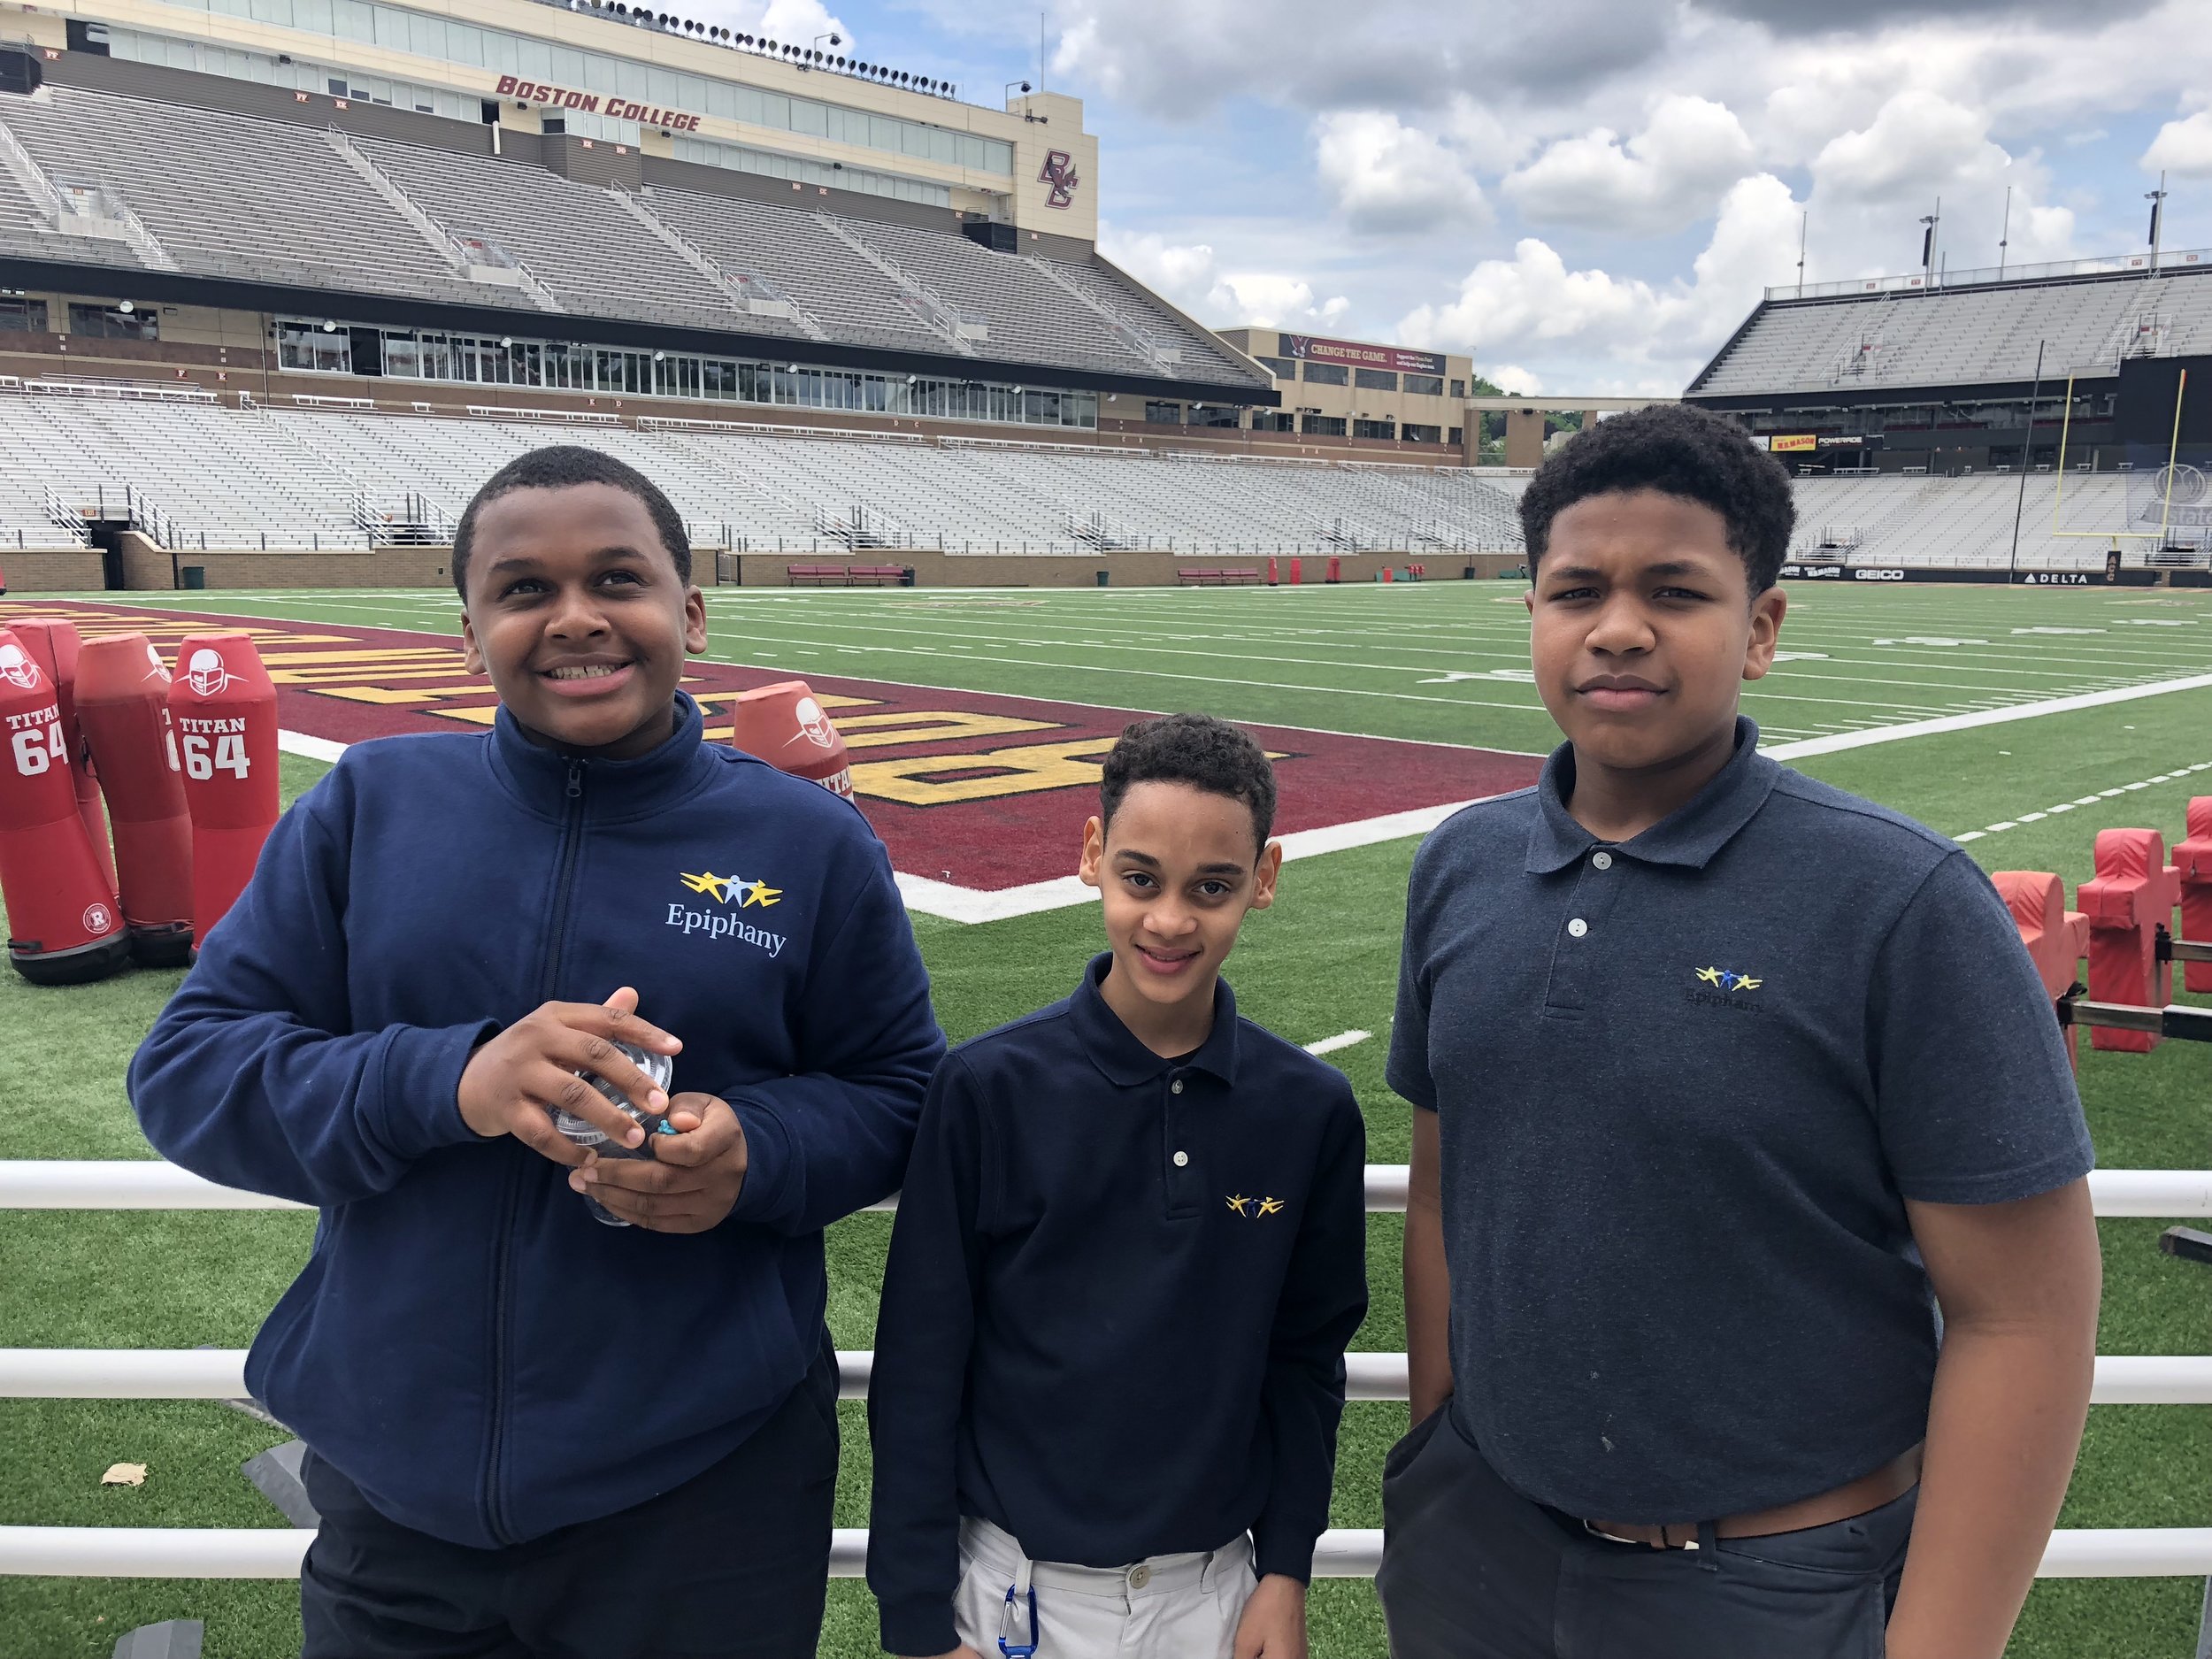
(1165, 1607)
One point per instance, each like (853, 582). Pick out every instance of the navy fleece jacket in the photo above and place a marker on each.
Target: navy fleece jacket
(482, 1358)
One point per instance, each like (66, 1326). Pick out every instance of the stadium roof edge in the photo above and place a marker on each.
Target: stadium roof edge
(120, 282)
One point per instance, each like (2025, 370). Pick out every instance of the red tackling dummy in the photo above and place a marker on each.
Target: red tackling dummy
(2056, 936)
(63, 924)
(224, 709)
(2130, 899)
(784, 725)
(2193, 863)
(123, 704)
(54, 646)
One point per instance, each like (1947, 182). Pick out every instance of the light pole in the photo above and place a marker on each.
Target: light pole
(2027, 459)
(2004, 236)
(1928, 240)
(2157, 199)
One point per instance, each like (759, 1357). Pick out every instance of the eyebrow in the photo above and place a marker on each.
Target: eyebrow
(1665, 567)
(521, 562)
(1221, 867)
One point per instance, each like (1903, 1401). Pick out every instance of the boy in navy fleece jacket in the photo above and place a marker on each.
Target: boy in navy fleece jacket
(531, 1432)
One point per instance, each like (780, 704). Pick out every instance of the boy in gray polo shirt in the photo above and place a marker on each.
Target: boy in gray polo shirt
(1725, 1080)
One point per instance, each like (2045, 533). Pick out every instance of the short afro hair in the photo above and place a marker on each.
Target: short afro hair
(563, 466)
(1195, 749)
(1677, 451)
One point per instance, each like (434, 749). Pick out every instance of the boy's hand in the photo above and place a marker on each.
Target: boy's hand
(514, 1083)
(1273, 1625)
(691, 1181)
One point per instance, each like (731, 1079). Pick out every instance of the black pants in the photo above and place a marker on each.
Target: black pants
(731, 1564)
(1471, 1570)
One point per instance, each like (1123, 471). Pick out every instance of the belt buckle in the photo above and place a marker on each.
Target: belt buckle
(1017, 1649)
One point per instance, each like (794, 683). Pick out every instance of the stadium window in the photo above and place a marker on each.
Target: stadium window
(22, 317)
(1459, 390)
(1323, 426)
(1375, 380)
(109, 322)
(1384, 429)
(1282, 368)
(1327, 374)
(1161, 414)
(1274, 420)
(1216, 415)
(1426, 385)
(1458, 436)
(308, 346)
(1411, 433)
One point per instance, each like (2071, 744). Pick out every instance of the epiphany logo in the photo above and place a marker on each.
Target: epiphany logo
(721, 923)
(1254, 1208)
(1723, 979)
(721, 888)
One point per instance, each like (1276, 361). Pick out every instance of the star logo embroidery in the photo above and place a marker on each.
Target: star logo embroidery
(1269, 1206)
(1237, 1201)
(1710, 976)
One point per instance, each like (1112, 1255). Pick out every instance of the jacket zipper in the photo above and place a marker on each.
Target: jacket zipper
(549, 974)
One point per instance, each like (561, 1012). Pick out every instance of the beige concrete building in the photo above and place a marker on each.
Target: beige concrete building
(1355, 389)
(615, 75)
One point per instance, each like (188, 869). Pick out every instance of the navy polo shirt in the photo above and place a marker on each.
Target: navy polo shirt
(1116, 1305)
(1686, 1084)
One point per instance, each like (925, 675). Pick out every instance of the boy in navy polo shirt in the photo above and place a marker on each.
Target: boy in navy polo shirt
(531, 1434)
(1129, 1253)
(1726, 1082)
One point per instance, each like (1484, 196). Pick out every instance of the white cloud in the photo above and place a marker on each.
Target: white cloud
(792, 22)
(1189, 274)
(1511, 377)
(1386, 176)
(2184, 147)
(1657, 181)
(1621, 332)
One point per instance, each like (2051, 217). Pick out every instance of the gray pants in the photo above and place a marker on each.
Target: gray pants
(1471, 1570)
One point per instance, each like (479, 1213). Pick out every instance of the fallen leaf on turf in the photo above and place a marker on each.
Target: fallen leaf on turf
(124, 1475)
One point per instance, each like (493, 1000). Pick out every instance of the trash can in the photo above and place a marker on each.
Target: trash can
(1105, 578)
(195, 576)
(906, 575)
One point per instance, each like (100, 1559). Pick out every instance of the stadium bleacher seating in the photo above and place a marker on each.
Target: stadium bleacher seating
(1960, 336)
(293, 476)
(245, 197)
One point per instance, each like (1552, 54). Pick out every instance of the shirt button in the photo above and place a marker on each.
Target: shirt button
(1181, 1158)
(1601, 860)
(1576, 928)
(1176, 1087)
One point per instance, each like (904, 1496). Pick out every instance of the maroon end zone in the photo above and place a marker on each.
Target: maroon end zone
(978, 790)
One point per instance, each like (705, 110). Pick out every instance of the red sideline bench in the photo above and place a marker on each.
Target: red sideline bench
(845, 575)
(1213, 576)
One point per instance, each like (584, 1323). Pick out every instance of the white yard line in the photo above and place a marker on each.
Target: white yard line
(1985, 717)
(2102, 795)
(1342, 1040)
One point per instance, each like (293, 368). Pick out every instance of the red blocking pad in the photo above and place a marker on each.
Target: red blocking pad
(2130, 897)
(54, 645)
(64, 928)
(2193, 867)
(2055, 937)
(224, 708)
(123, 704)
(784, 725)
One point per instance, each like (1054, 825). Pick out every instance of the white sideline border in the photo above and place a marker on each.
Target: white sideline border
(237, 1552)
(155, 1183)
(974, 906)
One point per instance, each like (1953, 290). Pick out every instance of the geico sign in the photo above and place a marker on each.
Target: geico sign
(1877, 576)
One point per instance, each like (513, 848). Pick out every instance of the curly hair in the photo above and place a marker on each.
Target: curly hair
(1678, 450)
(563, 466)
(1194, 749)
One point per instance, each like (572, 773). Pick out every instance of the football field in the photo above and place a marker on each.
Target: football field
(2021, 721)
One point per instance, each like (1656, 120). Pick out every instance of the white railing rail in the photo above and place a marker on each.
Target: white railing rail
(219, 1552)
(152, 1184)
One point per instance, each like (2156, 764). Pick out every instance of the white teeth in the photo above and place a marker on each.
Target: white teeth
(595, 670)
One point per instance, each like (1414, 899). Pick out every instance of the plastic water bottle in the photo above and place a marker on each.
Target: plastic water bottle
(584, 1132)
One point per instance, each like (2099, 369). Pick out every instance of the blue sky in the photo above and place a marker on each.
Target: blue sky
(1587, 195)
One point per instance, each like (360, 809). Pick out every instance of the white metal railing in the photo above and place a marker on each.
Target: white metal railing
(2119, 264)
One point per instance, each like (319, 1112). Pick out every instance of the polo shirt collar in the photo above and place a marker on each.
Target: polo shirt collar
(1114, 1048)
(1689, 836)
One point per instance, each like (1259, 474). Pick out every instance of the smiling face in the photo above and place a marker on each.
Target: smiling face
(1643, 630)
(1178, 868)
(575, 611)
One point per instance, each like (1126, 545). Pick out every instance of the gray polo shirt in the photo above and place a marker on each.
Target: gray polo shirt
(1686, 1084)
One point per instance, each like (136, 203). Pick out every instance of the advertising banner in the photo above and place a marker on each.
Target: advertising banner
(1313, 348)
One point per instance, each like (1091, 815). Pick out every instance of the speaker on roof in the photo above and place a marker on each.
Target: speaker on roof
(19, 71)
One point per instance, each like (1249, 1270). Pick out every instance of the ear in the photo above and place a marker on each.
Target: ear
(695, 621)
(1767, 611)
(1528, 599)
(1090, 868)
(472, 650)
(1264, 875)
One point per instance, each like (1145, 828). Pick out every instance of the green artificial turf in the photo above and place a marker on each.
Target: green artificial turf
(1321, 962)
